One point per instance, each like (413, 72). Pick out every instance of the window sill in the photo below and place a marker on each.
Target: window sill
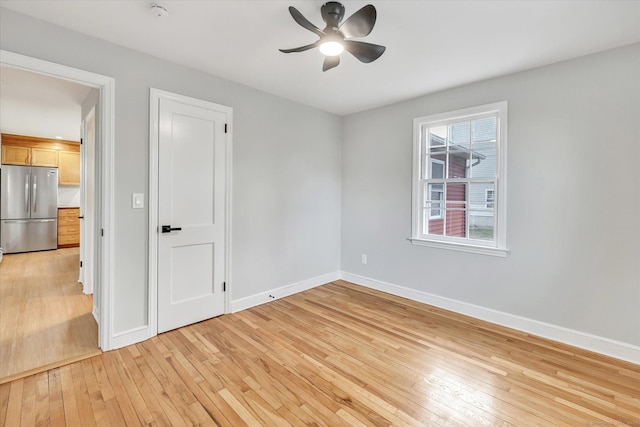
(482, 250)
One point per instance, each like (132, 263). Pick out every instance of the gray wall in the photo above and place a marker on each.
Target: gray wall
(573, 197)
(286, 166)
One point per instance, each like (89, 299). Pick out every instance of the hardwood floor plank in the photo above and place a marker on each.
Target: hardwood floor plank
(42, 399)
(82, 396)
(70, 403)
(56, 405)
(28, 413)
(335, 355)
(5, 391)
(14, 406)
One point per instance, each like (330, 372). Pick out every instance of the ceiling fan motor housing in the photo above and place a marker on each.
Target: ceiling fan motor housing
(332, 13)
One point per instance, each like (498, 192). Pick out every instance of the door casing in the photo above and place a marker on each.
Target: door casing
(105, 177)
(154, 100)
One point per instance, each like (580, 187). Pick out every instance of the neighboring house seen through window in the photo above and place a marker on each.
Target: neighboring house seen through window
(459, 180)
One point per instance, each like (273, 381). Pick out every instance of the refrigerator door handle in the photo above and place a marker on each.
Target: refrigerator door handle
(43, 220)
(26, 193)
(15, 221)
(35, 193)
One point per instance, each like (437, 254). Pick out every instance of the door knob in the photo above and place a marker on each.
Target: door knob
(169, 229)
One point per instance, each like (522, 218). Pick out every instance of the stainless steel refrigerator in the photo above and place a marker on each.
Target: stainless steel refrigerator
(29, 208)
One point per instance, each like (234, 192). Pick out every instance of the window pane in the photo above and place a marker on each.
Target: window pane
(456, 223)
(483, 160)
(456, 210)
(460, 135)
(433, 225)
(484, 129)
(437, 169)
(480, 225)
(456, 192)
(482, 196)
(438, 136)
(457, 167)
(434, 199)
(482, 211)
(441, 157)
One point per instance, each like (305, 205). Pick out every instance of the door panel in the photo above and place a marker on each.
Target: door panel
(16, 190)
(190, 264)
(192, 166)
(44, 192)
(29, 235)
(191, 197)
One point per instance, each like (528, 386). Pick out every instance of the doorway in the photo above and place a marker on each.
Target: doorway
(99, 256)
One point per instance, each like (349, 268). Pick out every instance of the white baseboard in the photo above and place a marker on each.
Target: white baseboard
(132, 336)
(96, 314)
(606, 346)
(283, 291)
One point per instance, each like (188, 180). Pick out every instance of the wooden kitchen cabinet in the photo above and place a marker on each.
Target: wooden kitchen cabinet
(68, 168)
(35, 151)
(68, 227)
(43, 157)
(19, 155)
(15, 155)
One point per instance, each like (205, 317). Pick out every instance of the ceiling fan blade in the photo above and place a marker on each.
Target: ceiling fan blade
(301, 48)
(364, 52)
(330, 62)
(304, 22)
(360, 23)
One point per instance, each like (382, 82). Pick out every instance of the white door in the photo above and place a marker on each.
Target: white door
(191, 211)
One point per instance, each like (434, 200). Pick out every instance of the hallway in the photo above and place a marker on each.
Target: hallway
(45, 319)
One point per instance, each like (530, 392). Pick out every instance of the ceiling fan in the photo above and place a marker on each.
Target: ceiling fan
(336, 38)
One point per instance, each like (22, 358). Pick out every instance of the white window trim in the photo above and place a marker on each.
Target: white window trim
(498, 247)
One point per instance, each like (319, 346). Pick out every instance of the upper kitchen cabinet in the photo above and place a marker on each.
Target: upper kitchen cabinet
(34, 151)
(69, 168)
(19, 155)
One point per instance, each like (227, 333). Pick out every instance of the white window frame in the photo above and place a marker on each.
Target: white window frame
(496, 247)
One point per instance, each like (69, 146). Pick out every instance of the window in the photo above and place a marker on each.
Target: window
(459, 180)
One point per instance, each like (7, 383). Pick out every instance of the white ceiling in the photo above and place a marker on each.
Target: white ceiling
(36, 105)
(431, 45)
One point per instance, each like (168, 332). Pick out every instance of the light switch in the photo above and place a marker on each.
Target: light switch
(137, 200)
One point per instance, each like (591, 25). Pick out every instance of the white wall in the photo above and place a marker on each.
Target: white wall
(286, 166)
(69, 195)
(573, 198)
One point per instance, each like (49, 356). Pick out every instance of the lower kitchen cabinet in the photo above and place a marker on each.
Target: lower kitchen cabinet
(68, 227)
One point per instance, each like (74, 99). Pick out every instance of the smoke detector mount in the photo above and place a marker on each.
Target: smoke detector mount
(158, 10)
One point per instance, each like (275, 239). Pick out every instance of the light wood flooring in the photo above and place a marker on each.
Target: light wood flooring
(45, 319)
(335, 355)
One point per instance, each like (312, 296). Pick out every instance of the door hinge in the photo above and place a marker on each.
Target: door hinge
(81, 139)
(80, 264)
(224, 286)
(225, 128)
(102, 232)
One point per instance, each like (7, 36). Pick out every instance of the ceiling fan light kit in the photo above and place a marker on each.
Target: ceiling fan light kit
(336, 38)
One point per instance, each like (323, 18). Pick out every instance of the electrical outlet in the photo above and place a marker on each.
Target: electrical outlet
(364, 258)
